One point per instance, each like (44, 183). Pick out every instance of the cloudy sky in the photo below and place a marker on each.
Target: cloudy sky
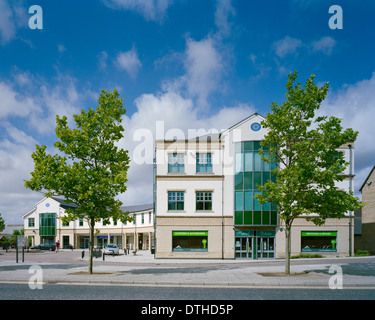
(178, 64)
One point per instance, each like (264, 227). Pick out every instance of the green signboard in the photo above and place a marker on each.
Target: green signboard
(244, 233)
(266, 233)
(190, 233)
(318, 233)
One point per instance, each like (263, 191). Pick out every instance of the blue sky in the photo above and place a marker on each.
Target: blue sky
(188, 63)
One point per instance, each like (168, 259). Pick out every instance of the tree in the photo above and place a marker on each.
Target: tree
(2, 223)
(93, 170)
(310, 164)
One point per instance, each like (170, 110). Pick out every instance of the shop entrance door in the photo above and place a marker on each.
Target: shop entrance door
(244, 247)
(265, 247)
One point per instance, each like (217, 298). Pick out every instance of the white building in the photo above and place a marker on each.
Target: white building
(205, 206)
(43, 224)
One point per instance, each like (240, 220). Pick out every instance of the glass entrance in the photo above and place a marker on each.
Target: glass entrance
(244, 247)
(265, 247)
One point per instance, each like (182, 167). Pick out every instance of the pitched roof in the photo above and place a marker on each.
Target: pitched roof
(10, 228)
(371, 171)
(135, 208)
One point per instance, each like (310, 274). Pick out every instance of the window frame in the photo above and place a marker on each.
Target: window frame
(205, 163)
(206, 200)
(176, 197)
(176, 162)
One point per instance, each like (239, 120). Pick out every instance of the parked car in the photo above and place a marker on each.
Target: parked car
(44, 246)
(111, 249)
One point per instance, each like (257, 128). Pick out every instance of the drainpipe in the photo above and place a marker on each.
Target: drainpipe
(222, 203)
(351, 189)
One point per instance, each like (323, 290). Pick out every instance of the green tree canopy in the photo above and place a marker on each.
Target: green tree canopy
(93, 170)
(306, 147)
(2, 223)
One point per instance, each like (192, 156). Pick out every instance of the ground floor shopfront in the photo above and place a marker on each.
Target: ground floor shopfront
(81, 239)
(207, 238)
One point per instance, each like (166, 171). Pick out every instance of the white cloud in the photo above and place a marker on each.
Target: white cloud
(286, 46)
(37, 103)
(324, 45)
(15, 165)
(290, 45)
(175, 116)
(204, 66)
(154, 10)
(129, 62)
(224, 10)
(102, 60)
(355, 105)
(12, 17)
(14, 104)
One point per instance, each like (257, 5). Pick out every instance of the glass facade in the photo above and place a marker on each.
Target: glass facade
(47, 224)
(251, 171)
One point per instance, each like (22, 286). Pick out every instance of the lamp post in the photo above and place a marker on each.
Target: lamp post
(350, 188)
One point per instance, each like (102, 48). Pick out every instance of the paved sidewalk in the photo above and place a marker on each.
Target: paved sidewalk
(143, 269)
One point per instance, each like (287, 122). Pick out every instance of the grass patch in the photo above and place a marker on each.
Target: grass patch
(307, 255)
(362, 253)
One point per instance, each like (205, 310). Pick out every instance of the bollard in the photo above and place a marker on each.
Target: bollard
(83, 254)
(23, 254)
(103, 256)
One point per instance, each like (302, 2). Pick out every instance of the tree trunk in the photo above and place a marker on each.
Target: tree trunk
(92, 226)
(287, 247)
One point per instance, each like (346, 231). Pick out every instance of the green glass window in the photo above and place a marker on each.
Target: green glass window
(248, 180)
(239, 200)
(248, 159)
(238, 217)
(251, 171)
(239, 181)
(47, 224)
(248, 200)
(248, 217)
(257, 217)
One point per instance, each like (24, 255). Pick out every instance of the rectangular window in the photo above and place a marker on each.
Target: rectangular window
(176, 162)
(149, 217)
(143, 218)
(203, 201)
(47, 224)
(238, 200)
(318, 241)
(31, 222)
(189, 241)
(204, 162)
(175, 201)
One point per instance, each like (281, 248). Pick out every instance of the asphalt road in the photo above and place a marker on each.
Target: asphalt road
(9, 291)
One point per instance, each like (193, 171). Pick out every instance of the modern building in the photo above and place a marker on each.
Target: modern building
(43, 224)
(204, 190)
(366, 240)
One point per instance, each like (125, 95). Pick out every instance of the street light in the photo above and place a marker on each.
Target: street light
(350, 188)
